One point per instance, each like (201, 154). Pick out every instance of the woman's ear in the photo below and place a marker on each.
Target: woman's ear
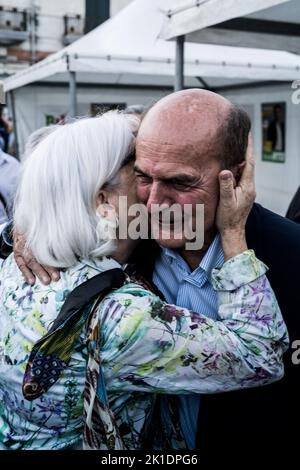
(102, 198)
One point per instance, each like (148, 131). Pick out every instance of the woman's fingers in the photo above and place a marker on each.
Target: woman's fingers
(29, 266)
(226, 188)
(38, 270)
(27, 273)
(235, 204)
(247, 178)
(227, 203)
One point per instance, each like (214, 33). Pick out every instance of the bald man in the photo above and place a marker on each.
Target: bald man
(182, 146)
(184, 141)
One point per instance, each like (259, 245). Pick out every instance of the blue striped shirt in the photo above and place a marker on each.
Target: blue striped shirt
(192, 290)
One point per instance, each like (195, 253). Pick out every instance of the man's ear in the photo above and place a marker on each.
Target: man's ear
(238, 170)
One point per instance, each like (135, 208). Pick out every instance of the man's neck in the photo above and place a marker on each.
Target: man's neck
(194, 258)
(124, 250)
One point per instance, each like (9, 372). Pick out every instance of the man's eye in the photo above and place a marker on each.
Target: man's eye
(143, 178)
(180, 184)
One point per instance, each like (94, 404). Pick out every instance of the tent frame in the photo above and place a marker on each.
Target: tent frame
(179, 64)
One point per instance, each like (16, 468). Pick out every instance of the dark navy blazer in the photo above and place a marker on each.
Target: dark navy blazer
(265, 420)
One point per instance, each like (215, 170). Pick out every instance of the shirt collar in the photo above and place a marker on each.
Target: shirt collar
(213, 258)
(98, 264)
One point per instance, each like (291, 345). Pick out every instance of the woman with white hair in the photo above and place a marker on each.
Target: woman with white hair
(129, 344)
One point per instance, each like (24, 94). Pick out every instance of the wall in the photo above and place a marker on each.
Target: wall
(50, 26)
(117, 5)
(49, 32)
(276, 182)
(34, 102)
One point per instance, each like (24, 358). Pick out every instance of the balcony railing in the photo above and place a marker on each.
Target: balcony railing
(74, 28)
(13, 26)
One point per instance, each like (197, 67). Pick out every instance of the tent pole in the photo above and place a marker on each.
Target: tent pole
(179, 64)
(72, 94)
(14, 117)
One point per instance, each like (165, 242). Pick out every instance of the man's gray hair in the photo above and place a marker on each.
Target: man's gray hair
(56, 202)
(138, 109)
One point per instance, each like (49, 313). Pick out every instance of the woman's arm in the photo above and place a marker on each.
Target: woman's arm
(148, 345)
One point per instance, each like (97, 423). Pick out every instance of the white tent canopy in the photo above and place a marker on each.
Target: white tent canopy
(128, 43)
(186, 16)
(268, 24)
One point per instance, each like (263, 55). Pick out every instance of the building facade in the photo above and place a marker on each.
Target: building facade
(32, 29)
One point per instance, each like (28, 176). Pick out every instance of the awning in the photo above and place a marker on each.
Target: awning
(128, 43)
(187, 16)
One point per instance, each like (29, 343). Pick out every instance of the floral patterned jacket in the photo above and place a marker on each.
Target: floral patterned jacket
(136, 348)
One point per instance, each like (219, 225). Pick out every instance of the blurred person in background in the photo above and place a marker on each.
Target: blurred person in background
(275, 133)
(293, 212)
(9, 178)
(6, 128)
(137, 109)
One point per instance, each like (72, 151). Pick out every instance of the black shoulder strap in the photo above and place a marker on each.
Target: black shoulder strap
(3, 201)
(51, 354)
(87, 292)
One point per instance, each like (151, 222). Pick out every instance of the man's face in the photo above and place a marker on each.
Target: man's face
(168, 174)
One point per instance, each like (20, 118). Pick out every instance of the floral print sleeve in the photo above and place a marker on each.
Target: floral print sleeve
(151, 346)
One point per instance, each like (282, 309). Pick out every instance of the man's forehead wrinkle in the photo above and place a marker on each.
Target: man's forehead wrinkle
(165, 146)
(172, 163)
(188, 107)
(184, 126)
(191, 145)
(177, 127)
(166, 170)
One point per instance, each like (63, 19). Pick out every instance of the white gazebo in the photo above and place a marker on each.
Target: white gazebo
(129, 44)
(267, 24)
(128, 50)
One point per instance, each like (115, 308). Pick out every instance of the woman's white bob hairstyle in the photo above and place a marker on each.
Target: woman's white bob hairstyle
(56, 203)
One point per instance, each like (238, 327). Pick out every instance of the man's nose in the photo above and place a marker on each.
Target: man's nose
(157, 195)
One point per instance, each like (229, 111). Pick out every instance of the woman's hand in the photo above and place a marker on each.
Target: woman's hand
(28, 265)
(236, 201)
